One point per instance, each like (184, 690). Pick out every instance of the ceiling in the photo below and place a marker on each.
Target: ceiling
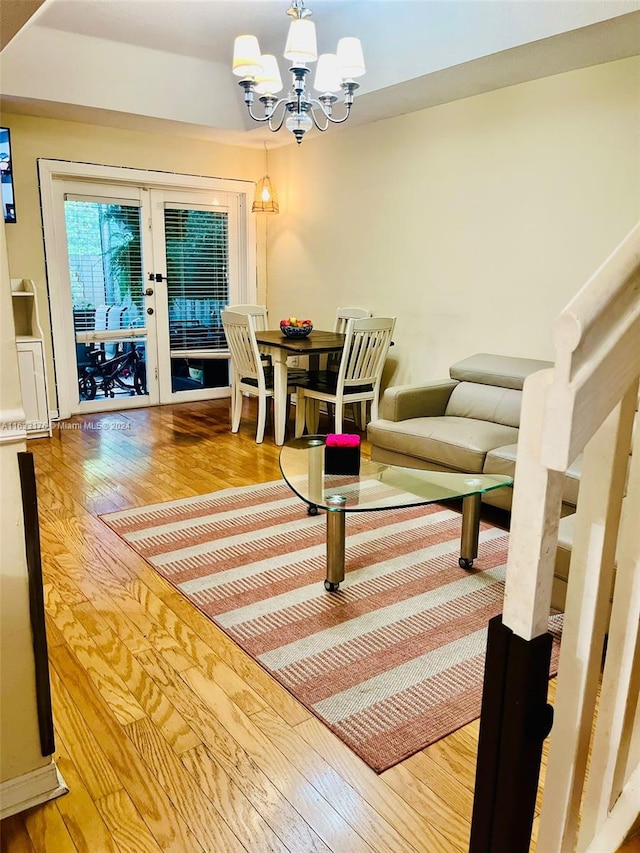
(164, 65)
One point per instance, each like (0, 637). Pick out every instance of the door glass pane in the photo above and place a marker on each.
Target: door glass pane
(197, 250)
(105, 267)
(114, 369)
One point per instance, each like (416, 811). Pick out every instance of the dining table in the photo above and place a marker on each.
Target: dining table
(280, 348)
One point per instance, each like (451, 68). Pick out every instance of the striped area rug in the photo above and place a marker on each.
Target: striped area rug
(393, 661)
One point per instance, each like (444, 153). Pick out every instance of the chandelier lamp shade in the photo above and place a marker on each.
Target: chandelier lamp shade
(298, 111)
(265, 199)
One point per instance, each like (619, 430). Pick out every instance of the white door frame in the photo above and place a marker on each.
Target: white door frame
(64, 336)
(51, 170)
(224, 203)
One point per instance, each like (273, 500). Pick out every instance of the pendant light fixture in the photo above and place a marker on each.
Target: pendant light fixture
(298, 111)
(265, 199)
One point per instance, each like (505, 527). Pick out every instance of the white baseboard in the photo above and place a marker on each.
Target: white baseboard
(31, 789)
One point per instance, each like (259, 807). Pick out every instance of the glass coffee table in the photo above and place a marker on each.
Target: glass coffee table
(378, 487)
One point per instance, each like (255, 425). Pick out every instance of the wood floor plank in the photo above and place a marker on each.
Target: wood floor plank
(263, 751)
(452, 755)
(231, 736)
(80, 743)
(91, 619)
(222, 754)
(125, 824)
(82, 821)
(453, 790)
(157, 636)
(250, 826)
(413, 827)
(152, 700)
(14, 837)
(54, 636)
(124, 628)
(376, 830)
(283, 821)
(109, 684)
(47, 830)
(199, 653)
(419, 796)
(254, 676)
(206, 819)
(69, 591)
(157, 811)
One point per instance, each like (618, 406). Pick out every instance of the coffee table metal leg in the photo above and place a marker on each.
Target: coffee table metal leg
(335, 544)
(470, 530)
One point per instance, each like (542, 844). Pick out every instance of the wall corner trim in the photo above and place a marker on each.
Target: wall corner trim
(13, 427)
(31, 789)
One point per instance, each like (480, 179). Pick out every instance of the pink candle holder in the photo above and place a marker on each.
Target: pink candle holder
(342, 454)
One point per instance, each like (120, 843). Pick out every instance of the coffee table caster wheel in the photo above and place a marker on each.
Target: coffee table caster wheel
(312, 509)
(331, 587)
(465, 563)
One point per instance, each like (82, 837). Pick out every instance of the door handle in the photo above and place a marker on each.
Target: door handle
(148, 291)
(149, 310)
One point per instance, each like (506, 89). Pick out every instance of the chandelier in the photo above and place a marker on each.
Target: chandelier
(298, 111)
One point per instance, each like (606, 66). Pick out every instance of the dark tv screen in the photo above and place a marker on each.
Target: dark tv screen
(6, 176)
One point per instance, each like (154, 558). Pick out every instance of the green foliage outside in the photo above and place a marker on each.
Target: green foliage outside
(107, 235)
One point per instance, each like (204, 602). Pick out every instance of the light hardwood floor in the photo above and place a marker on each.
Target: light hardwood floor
(169, 737)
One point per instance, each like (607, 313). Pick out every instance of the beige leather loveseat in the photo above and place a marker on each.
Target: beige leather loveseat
(467, 423)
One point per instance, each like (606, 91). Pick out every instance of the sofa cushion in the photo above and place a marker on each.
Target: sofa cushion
(501, 370)
(571, 483)
(562, 562)
(502, 460)
(459, 443)
(485, 403)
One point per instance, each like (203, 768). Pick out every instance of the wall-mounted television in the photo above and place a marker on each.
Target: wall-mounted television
(6, 176)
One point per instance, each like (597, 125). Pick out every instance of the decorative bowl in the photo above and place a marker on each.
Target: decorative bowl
(296, 331)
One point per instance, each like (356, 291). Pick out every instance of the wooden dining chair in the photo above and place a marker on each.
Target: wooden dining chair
(258, 312)
(261, 324)
(260, 321)
(249, 374)
(343, 315)
(357, 379)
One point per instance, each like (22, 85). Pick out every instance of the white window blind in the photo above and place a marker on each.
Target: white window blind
(197, 251)
(105, 262)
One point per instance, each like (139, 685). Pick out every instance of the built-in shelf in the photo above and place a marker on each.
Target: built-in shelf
(29, 342)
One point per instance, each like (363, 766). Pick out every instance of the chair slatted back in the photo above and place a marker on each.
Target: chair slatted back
(258, 312)
(240, 333)
(343, 315)
(365, 351)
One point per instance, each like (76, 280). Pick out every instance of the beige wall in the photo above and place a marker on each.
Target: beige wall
(33, 138)
(474, 222)
(19, 735)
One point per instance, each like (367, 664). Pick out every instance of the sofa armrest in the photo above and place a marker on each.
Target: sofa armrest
(401, 402)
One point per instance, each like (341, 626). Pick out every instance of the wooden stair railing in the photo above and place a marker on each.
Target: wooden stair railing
(585, 404)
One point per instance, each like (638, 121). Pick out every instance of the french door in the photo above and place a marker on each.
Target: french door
(194, 276)
(138, 278)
